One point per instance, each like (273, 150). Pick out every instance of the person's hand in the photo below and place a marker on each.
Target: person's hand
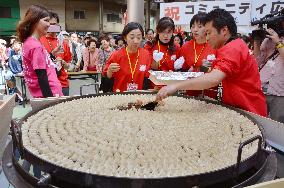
(179, 63)
(158, 56)
(114, 67)
(77, 65)
(273, 35)
(65, 64)
(206, 66)
(58, 64)
(165, 92)
(59, 59)
(57, 50)
(206, 63)
(99, 68)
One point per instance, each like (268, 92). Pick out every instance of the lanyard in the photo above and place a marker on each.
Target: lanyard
(196, 57)
(50, 45)
(132, 71)
(159, 48)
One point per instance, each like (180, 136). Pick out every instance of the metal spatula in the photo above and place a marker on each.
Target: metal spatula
(150, 105)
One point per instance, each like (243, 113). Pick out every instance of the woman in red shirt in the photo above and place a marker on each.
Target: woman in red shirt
(162, 49)
(129, 66)
(197, 53)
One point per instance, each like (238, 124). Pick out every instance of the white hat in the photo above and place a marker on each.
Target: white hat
(65, 33)
(3, 42)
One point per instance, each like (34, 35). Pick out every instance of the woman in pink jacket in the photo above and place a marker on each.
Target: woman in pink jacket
(91, 56)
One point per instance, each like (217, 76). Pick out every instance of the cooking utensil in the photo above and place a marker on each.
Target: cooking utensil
(149, 106)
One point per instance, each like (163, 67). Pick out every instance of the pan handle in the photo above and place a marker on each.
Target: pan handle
(240, 150)
(44, 180)
(17, 137)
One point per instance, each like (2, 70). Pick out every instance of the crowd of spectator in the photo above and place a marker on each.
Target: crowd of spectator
(169, 51)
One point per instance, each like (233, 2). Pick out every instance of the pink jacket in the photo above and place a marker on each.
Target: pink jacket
(90, 59)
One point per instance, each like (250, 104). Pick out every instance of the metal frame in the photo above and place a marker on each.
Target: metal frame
(97, 86)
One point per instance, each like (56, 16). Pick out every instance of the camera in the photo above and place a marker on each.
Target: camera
(272, 21)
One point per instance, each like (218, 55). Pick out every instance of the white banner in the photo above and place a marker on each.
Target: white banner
(244, 11)
(182, 13)
(260, 8)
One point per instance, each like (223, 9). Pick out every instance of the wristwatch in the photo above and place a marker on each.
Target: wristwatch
(279, 45)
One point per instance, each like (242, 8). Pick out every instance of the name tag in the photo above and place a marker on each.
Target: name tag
(132, 87)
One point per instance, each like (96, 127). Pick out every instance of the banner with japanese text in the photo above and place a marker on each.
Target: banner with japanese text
(244, 11)
(260, 8)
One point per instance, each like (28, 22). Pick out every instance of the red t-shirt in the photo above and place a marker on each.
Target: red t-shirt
(167, 63)
(123, 77)
(241, 87)
(50, 43)
(202, 53)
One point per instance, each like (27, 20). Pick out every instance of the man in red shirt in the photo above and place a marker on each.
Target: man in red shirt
(58, 55)
(234, 70)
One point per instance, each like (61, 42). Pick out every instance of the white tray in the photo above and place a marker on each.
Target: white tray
(166, 78)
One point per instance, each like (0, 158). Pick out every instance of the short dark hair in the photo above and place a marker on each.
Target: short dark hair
(54, 15)
(90, 41)
(106, 38)
(200, 17)
(221, 18)
(148, 30)
(118, 39)
(130, 27)
(16, 41)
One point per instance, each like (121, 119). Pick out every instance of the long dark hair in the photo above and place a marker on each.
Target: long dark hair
(180, 38)
(163, 24)
(26, 27)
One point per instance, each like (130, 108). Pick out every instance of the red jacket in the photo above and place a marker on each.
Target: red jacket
(202, 53)
(242, 86)
(167, 63)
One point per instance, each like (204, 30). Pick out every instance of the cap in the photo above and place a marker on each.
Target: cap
(65, 33)
(3, 42)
